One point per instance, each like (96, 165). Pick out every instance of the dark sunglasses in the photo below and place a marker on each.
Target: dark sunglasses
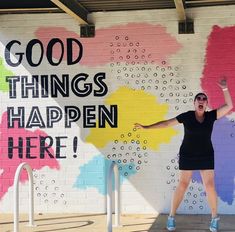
(201, 98)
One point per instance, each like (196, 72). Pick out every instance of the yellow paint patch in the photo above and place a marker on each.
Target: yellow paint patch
(134, 106)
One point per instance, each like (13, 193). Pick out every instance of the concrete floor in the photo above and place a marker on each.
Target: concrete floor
(130, 223)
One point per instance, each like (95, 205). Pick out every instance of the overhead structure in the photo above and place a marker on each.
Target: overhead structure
(185, 24)
(179, 5)
(78, 12)
(90, 6)
(74, 9)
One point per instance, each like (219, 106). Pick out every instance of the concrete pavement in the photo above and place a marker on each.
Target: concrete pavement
(130, 223)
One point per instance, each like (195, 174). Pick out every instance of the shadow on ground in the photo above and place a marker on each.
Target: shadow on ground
(193, 223)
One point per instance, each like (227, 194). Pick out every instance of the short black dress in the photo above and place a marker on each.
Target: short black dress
(196, 151)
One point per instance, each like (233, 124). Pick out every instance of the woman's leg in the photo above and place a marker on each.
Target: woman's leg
(184, 180)
(209, 184)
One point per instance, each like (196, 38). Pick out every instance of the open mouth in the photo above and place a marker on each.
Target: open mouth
(200, 107)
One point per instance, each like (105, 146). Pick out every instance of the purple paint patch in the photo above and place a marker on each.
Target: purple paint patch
(223, 139)
(224, 145)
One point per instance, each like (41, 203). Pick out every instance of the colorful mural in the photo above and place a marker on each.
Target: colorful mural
(17, 146)
(219, 61)
(3, 73)
(123, 44)
(83, 94)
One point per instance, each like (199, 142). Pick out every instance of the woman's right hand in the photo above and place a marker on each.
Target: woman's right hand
(138, 126)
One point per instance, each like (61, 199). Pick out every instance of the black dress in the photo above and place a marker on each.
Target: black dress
(196, 151)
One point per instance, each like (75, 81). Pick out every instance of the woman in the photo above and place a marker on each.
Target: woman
(196, 151)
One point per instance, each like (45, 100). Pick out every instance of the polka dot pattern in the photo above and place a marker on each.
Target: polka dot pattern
(128, 150)
(195, 196)
(47, 190)
(136, 71)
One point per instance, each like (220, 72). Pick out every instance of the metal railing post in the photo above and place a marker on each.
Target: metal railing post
(113, 169)
(16, 196)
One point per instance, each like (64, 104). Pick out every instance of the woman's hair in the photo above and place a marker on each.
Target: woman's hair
(195, 98)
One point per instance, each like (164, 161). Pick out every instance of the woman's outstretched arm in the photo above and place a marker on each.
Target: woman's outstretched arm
(224, 109)
(158, 125)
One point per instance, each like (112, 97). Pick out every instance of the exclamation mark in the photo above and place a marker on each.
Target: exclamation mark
(75, 146)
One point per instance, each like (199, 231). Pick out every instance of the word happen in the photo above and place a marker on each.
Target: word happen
(70, 114)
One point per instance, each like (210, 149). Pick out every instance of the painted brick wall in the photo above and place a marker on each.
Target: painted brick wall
(139, 66)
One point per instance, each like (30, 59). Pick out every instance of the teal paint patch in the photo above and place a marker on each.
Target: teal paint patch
(93, 174)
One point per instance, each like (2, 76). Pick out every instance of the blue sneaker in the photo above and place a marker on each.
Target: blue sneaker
(170, 225)
(214, 226)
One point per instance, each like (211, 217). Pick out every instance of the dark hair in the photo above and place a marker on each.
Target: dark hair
(195, 98)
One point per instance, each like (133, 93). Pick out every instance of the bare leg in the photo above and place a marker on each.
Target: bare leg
(184, 180)
(209, 184)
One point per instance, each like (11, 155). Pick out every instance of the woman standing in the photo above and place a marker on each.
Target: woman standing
(196, 151)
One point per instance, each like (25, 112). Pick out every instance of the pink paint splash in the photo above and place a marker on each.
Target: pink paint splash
(220, 61)
(134, 42)
(9, 166)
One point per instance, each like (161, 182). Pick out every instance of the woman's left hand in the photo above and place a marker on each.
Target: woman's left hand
(223, 83)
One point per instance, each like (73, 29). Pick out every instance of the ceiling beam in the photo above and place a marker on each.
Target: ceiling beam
(29, 10)
(74, 9)
(179, 4)
(210, 1)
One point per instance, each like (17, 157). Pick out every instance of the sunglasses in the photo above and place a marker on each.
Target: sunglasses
(201, 98)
